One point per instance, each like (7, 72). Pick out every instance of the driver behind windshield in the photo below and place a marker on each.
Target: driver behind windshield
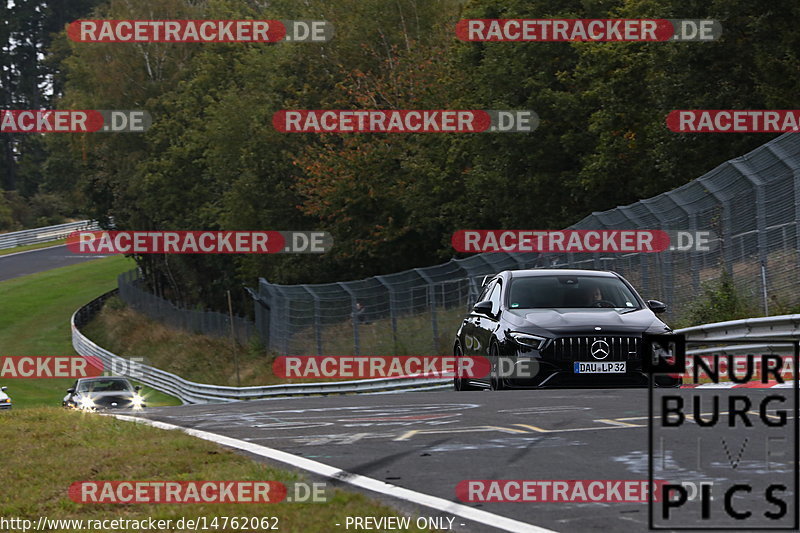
(592, 296)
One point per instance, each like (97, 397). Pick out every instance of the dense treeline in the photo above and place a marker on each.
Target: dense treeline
(32, 191)
(212, 159)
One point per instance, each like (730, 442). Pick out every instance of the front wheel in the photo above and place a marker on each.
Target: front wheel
(461, 384)
(496, 381)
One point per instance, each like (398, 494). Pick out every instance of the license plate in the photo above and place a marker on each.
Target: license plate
(599, 368)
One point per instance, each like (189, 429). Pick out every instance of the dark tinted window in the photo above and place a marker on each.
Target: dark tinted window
(570, 292)
(105, 385)
(495, 297)
(484, 294)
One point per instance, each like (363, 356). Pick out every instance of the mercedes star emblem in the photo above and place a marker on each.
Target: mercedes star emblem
(599, 349)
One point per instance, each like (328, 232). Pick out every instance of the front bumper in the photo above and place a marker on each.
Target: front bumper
(554, 364)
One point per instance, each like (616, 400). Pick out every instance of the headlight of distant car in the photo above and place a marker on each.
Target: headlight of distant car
(86, 403)
(5, 400)
(137, 401)
(527, 340)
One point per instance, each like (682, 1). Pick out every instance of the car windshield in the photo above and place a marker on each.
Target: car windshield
(537, 292)
(104, 385)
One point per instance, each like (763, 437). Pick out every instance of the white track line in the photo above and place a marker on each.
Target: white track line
(439, 504)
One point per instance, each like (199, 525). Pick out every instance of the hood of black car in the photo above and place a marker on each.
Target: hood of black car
(107, 398)
(563, 321)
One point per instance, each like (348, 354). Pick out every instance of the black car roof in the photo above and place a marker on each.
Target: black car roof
(560, 272)
(100, 378)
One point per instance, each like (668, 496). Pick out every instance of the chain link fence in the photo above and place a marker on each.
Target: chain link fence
(132, 292)
(751, 203)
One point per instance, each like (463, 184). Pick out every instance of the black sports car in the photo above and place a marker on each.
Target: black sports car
(92, 394)
(559, 328)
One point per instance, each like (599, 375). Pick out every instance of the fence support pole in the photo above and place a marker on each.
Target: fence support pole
(355, 318)
(233, 342)
(764, 287)
(391, 311)
(432, 299)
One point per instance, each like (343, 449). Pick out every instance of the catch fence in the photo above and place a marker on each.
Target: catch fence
(751, 203)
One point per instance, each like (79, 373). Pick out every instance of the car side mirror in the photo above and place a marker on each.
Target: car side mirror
(484, 308)
(137, 388)
(656, 306)
(3, 389)
(70, 391)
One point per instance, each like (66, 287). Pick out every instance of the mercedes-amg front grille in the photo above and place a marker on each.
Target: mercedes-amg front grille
(593, 348)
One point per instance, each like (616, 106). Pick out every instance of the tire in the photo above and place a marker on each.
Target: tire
(460, 384)
(495, 382)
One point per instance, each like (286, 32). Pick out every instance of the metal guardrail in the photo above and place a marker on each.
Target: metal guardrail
(46, 234)
(191, 392)
(762, 328)
(775, 327)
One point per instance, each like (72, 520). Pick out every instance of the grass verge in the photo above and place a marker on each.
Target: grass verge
(39, 307)
(56, 448)
(200, 358)
(206, 359)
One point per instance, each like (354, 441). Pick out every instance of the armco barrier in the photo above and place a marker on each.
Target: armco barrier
(762, 328)
(774, 327)
(191, 392)
(47, 234)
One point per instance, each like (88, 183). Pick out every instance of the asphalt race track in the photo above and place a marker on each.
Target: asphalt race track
(429, 441)
(33, 261)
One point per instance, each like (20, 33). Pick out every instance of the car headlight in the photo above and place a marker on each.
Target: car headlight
(527, 340)
(86, 403)
(137, 401)
(5, 400)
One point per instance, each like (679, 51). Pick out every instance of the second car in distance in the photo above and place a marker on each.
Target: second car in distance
(91, 394)
(5, 401)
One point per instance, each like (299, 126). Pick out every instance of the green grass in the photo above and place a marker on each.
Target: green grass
(206, 359)
(38, 245)
(53, 448)
(199, 358)
(29, 393)
(39, 307)
(414, 336)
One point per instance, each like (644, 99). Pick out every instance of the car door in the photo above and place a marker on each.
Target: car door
(69, 395)
(469, 342)
(485, 325)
